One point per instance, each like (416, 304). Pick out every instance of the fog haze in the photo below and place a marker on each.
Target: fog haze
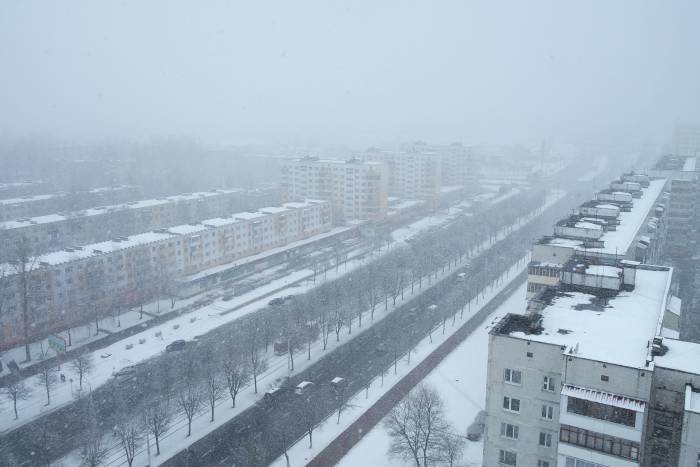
(365, 72)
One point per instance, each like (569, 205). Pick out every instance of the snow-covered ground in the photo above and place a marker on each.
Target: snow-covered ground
(460, 380)
(116, 356)
(174, 440)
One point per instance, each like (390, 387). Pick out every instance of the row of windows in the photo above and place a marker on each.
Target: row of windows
(600, 411)
(516, 377)
(543, 271)
(511, 458)
(599, 442)
(512, 404)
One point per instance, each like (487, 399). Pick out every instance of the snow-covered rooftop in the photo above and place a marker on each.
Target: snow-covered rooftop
(63, 256)
(593, 331)
(607, 271)
(692, 399)
(689, 164)
(14, 224)
(681, 356)
(26, 199)
(187, 229)
(620, 240)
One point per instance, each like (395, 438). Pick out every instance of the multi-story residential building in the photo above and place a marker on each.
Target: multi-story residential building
(577, 380)
(357, 190)
(687, 140)
(24, 188)
(55, 231)
(38, 205)
(68, 285)
(412, 174)
(624, 222)
(682, 203)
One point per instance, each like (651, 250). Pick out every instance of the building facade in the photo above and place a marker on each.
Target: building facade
(38, 205)
(56, 231)
(69, 286)
(356, 190)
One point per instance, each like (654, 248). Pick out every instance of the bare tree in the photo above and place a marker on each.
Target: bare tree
(417, 427)
(189, 398)
(156, 418)
(24, 265)
(258, 365)
(214, 387)
(82, 365)
(306, 412)
(237, 373)
(128, 433)
(16, 390)
(93, 449)
(47, 379)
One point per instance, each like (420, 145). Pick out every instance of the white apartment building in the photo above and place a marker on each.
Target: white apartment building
(616, 225)
(575, 381)
(356, 190)
(412, 174)
(38, 205)
(60, 230)
(124, 270)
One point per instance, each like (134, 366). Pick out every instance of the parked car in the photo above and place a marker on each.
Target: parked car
(276, 301)
(227, 297)
(380, 348)
(303, 387)
(476, 430)
(271, 395)
(176, 346)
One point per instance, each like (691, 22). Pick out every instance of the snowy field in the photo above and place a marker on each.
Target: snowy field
(460, 379)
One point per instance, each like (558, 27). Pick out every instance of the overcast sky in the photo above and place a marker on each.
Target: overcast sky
(349, 72)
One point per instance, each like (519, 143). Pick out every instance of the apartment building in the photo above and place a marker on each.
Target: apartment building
(415, 175)
(56, 231)
(68, 285)
(626, 221)
(682, 203)
(356, 190)
(38, 205)
(24, 188)
(579, 378)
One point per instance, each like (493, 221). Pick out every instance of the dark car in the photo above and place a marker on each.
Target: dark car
(476, 429)
(175, 346)
(276, 301)
(227, 297)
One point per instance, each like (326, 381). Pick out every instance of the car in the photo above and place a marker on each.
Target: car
(176, 346)
(338, 383)
(271, 395)
(476, 430)
(380, 348)
(127, 371)
(227, 297)
(303, 387)
(276, 301)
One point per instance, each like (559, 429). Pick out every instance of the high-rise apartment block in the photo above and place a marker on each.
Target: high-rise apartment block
(592, 373)
(356, 190)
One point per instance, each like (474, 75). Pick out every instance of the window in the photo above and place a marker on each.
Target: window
(547, 412)
(546, 440)
(604, 378)
(600, 411)
(599, 442)
(530, 354)
(512, 376)
(511, 404)
(541, 463)
(509, 431)
(548, 383)
(507, 457)
(573, 462)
